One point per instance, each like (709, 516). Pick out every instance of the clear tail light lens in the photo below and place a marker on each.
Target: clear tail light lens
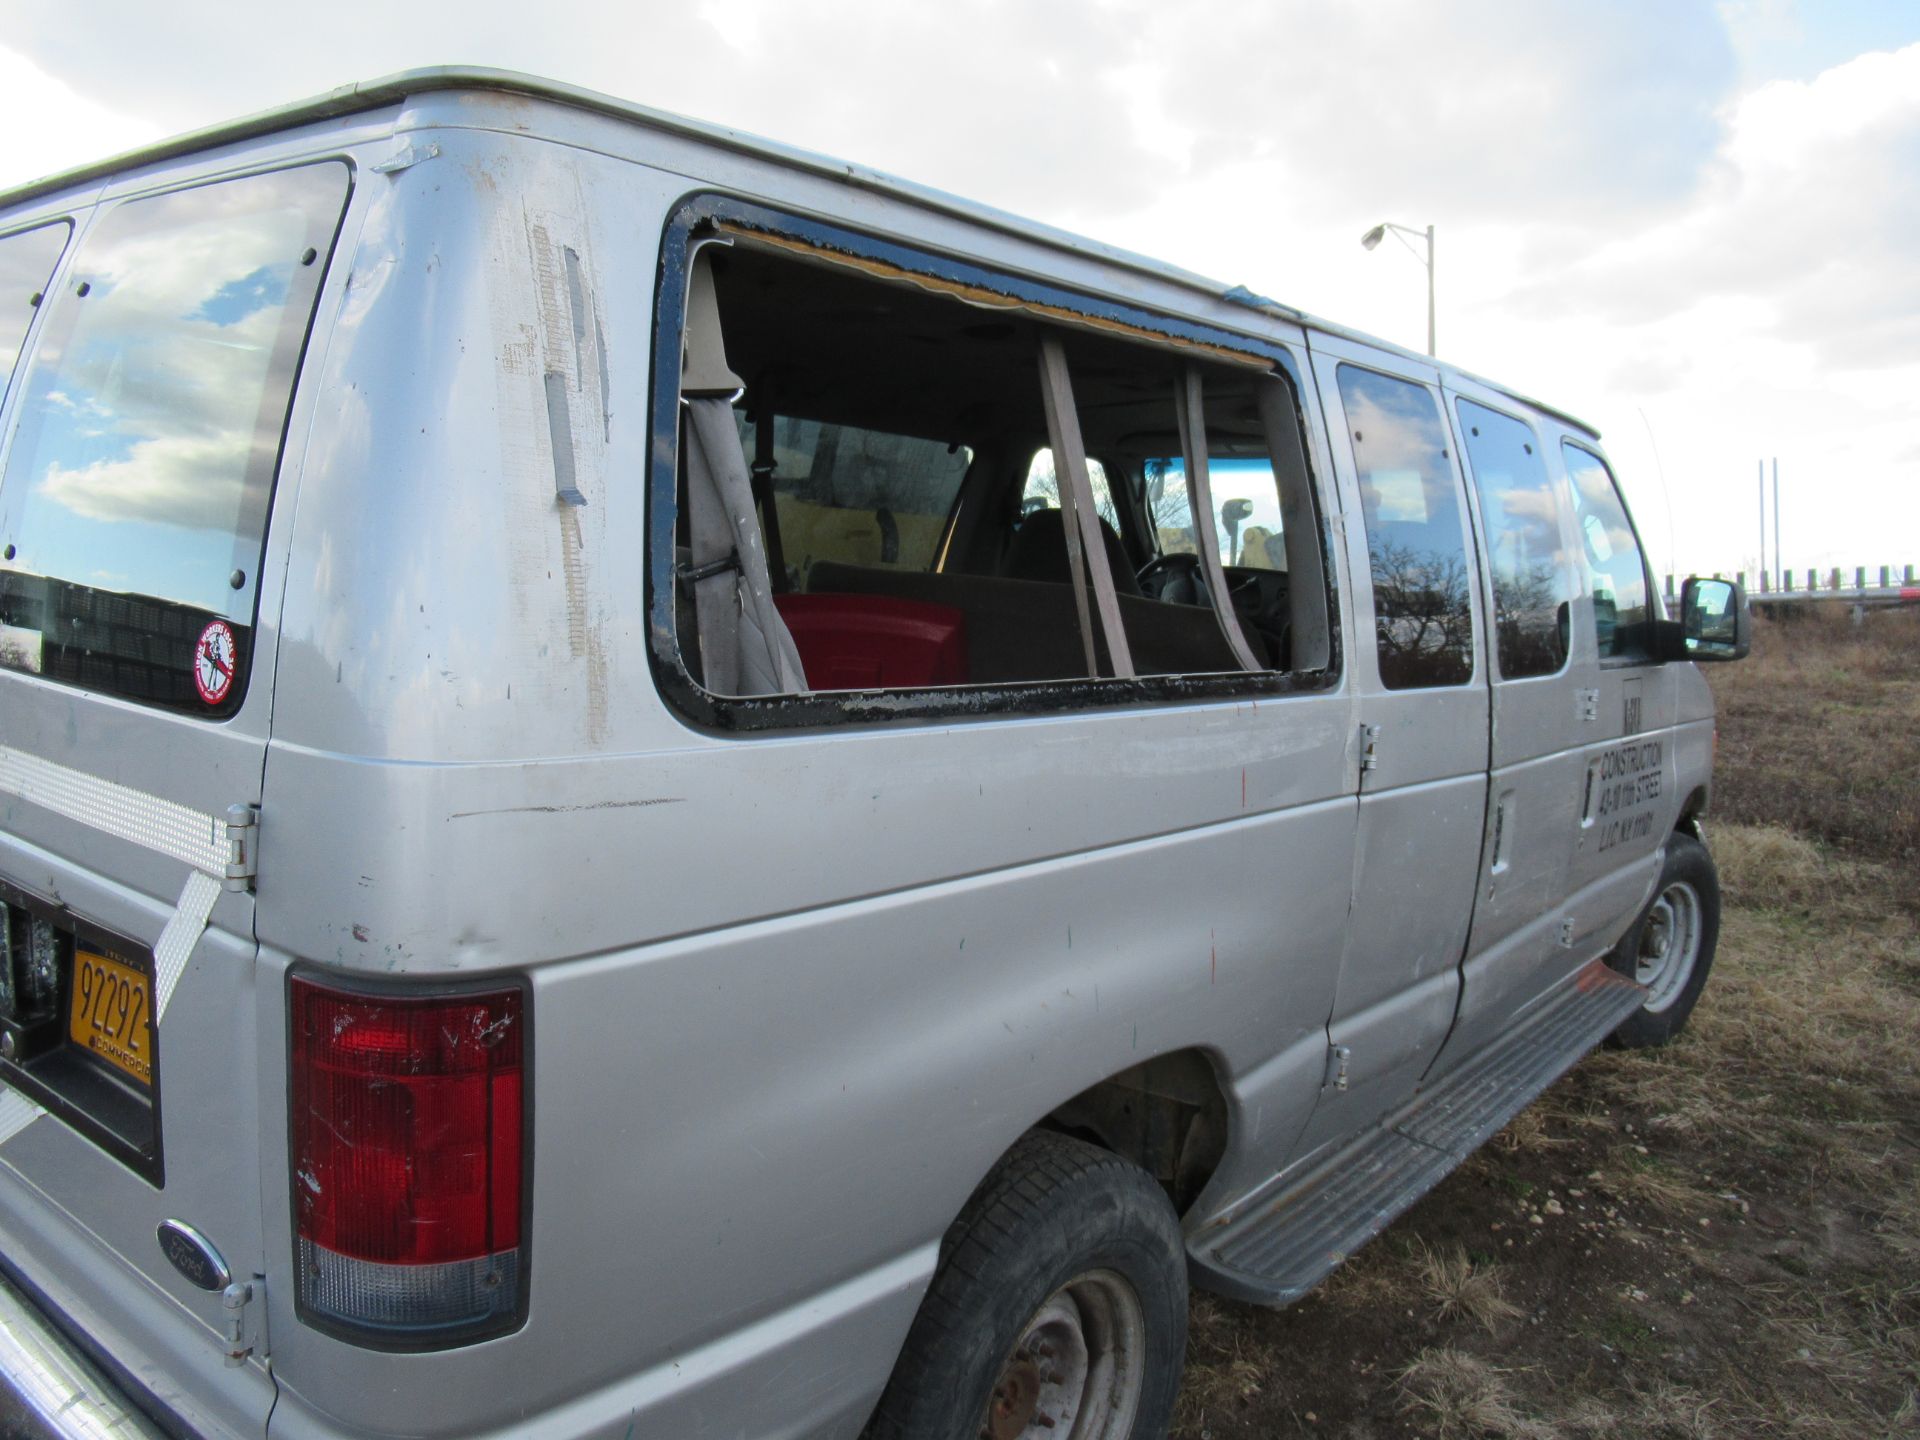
(408, 1147)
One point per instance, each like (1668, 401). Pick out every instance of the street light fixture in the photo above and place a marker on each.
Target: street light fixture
(1379, 232)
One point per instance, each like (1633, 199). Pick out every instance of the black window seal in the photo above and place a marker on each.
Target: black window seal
(701, 212)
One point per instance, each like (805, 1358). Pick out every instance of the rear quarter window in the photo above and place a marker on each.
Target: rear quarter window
(135, 497)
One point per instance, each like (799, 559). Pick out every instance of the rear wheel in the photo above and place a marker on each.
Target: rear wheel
(1670, 948)
(1058, 1311)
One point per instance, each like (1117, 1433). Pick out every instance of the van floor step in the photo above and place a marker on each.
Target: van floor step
(1279, 1249)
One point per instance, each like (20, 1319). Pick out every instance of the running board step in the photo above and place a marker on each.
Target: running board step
(1279, 1249)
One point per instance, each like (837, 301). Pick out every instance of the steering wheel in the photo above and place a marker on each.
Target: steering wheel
(1174, 578)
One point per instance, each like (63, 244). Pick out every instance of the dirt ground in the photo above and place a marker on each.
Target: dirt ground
(1717, 1239)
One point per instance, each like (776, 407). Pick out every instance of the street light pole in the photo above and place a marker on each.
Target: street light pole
(1432, 346)
(1400, 232)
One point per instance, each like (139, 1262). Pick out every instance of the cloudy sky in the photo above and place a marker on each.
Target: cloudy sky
(1694, 222)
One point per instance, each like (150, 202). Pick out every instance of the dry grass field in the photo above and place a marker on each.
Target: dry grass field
(1718, 1239)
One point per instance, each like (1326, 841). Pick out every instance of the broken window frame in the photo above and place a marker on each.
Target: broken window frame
(706, 214)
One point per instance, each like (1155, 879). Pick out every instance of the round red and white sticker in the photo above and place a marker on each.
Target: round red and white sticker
(213, 662)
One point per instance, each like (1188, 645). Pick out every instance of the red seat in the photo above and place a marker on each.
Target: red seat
(876, 642)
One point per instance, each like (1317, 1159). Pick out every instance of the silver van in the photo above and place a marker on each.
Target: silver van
(655, 786)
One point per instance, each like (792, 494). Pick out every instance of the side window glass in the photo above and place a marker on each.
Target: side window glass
(1416, 541)
(1042, 490)
(1246, 504)
(1616, 572)
(151, 415)
(1520, 515)
(26, 264)
(854, 496)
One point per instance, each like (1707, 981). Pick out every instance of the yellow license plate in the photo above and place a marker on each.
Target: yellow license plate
(112, 1013)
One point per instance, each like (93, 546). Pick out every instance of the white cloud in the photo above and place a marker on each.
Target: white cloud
(196, 482)
(45, 126)
(1712, 268)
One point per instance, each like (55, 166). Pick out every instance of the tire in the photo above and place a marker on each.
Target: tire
(1670, 947)
(1060, 1238)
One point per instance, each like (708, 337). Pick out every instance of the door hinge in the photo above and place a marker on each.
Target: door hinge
(1589, 704)
(243, 1324)
(1337, 1058)
(243, 833)
(1369, 747)
(1566, 933)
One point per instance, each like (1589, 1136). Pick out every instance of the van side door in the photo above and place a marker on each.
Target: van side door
(1626, 802)
(1542, 712)
(1421, 694)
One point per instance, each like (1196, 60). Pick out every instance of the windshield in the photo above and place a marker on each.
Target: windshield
(1246, 503)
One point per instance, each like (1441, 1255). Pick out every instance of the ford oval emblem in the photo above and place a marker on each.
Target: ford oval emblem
(193, 1255)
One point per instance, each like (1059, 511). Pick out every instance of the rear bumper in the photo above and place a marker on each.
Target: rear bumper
(49, 1390)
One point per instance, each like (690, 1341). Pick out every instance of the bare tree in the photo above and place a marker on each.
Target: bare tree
(1422, 619)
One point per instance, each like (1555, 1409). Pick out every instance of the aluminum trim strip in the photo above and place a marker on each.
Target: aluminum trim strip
(186, 834)
(16, 1113)
(176, 942)
(55, 1391)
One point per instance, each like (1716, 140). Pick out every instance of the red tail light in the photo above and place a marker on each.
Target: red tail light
(408, 1143)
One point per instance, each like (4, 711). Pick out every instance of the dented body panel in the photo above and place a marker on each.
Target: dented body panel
(794, 992)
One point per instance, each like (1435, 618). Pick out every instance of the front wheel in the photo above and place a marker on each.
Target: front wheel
(1669, 949)
(1058, 1311)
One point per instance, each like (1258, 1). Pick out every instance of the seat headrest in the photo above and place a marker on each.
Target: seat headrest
(1039, 552)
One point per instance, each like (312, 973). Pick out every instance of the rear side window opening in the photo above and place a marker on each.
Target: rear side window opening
(134, 503)
(952, 494)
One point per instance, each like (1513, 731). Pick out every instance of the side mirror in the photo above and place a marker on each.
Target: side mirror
(1714, 623)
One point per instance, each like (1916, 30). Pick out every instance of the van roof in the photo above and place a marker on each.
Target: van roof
(393, 89)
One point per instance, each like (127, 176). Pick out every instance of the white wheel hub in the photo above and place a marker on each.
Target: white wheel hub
(1669, 945)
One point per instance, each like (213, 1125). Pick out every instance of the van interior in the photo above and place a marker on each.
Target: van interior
(917, 530)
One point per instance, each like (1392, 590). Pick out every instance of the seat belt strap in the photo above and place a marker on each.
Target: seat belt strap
(1190, 412)
(764, 466)
(1086, 545)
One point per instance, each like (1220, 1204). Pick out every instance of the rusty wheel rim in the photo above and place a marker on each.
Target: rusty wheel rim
(1075, 1372)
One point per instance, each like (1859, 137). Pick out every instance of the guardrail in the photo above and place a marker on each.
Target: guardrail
(1891, 589)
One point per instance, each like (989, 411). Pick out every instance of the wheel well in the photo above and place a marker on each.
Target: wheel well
(1168, 1115)
(1691, 811)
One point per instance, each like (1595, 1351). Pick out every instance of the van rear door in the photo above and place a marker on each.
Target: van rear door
(144, 424)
